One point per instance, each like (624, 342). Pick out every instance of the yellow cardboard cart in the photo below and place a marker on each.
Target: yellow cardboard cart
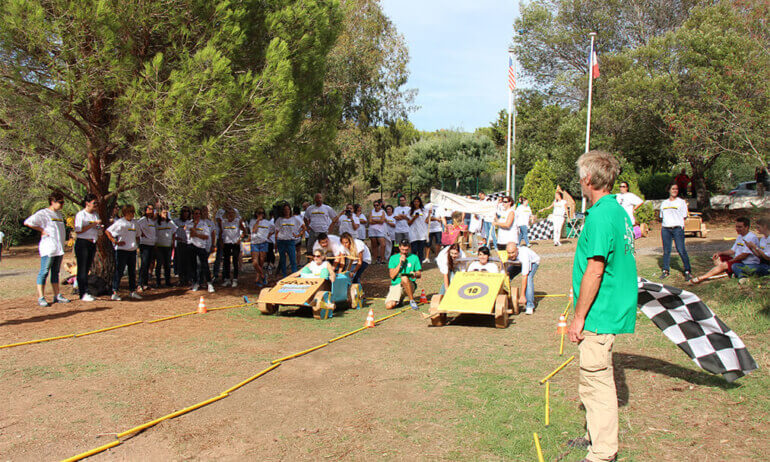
(476, 293)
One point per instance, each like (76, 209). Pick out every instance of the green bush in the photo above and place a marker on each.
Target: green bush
(645, 213)
(655, 185)
(539, 186)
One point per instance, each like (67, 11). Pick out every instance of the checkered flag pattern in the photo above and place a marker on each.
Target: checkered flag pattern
(540, 231)
(693, 327)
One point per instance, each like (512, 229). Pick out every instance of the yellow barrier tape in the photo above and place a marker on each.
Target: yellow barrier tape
(347, 335)
(376, 321)
(301, 353)
(564, 364)
(171, 317)
(93, 451)
(152, 423)
(30, 342)
(537, 447)
(252, 378)
(232, 306)
(107, 329)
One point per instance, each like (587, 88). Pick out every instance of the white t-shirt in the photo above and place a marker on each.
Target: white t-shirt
(2, 236)
(263, 231)
(52, 223)
(489, 267)
(740, 247)
(435, 226)
(527, 258)
(83, 219)
(287, 229)
(628, 201)
(362, 249)
(506, 235)
(523, 214)
(673, 212)
(362, 229)
(559, 208)
(764, 247)
(345, 224)
(181, 234)
(231, 231)
(315, 270)
(320, 217)
(203, 227)
(402, 226)
(334, 247)
(390, 231)
(475, 224)
(442, 260)
(165, 233)
(125, 231)
(377, 230)
(147, 230)
(418, 230)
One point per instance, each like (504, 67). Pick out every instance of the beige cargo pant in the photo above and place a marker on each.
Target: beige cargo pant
(598, 394)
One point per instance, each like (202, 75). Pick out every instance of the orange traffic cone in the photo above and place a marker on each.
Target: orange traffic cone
(561, 328)
(202, 307)
(370, 319)
(571, 296)
(423, 297)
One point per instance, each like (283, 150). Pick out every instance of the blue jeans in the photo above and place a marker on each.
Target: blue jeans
(358, 271)
(487, 228)
(147, 254)
(741, 270)
(529, 294)
(49, 265)
(287, 248)
(201, 258)
(123, 259)
(418, 248)
(677, 235)
(523, 231)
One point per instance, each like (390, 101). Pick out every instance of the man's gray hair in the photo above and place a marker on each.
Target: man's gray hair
(602, 167)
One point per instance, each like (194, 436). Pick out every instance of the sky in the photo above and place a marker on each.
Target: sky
(458, 59)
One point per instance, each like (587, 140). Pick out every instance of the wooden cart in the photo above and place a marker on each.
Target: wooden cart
(319, 294)
(694, 224)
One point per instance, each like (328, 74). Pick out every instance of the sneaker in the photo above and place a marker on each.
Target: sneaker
(743, 281)
(135, 296)
(579, 443)
(195, 287)
(687, 275)
(87, 298)
(235, 283)
(664, 274)
(115, 297)
(59, 298)
(427, 260)
(211, 288)
(226, 283)
(42, 302)
(529, 311)
(414, 305)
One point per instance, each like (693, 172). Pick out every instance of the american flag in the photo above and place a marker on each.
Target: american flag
(511, 75)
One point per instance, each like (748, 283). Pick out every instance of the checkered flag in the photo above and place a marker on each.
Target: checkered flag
(540, 231)
(693, 327)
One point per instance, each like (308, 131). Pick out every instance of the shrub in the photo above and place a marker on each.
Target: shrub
(539, 186)
(654, 185)
(645, 213)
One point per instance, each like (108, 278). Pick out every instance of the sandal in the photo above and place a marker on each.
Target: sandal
(695, 280)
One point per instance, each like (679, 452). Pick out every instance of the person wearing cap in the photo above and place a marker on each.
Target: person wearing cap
(404, 269)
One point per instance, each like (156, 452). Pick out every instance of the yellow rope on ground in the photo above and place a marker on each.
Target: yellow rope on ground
(93, 451)
(250, 379)
(547, 399)
(564, 364)
(537, 447)
(30, 342)
(152, 423)
(171, 317)
(301, 353)
(347, 335)
(107, 329)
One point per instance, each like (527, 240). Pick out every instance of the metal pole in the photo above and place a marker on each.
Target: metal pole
(590, 92)
(510, 116)
(513, 148)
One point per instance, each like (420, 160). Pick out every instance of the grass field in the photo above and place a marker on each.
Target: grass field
(401, 391)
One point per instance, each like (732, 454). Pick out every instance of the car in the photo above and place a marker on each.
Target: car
(746, 188)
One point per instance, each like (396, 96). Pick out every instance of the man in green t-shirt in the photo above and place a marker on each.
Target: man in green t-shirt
(404, 269)
(605, 285)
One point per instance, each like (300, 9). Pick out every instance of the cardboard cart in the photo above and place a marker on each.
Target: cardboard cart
(319, 294)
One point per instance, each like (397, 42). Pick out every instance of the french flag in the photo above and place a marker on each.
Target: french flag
(593, 63)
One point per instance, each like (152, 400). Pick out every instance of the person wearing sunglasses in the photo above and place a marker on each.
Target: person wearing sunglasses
(318, 268)
(628, 200)
(49, 222)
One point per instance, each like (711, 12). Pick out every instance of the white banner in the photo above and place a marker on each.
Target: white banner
(457, 203)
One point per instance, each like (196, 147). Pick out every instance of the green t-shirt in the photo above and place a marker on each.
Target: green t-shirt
(608, 233)
(411, 265)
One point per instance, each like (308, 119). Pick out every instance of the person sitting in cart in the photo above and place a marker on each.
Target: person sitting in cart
(529, 261)
(404, 269)
(483, 263)
(318, 268)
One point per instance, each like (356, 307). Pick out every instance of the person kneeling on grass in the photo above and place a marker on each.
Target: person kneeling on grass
(483, 264)
(404, 269)
(738, 258)
(529, 263)
(318, 268)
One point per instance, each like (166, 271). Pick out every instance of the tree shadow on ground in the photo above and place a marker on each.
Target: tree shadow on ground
(46, 317)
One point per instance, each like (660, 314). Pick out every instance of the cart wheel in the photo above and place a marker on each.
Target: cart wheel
(501, 311)
(266, 308)
(320, 301)
(514, 307)
(439, 319)
(356, 296)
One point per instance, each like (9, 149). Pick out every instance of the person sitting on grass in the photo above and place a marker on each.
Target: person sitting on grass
(404, 269)
(529, 263)
(761, 251)
(318, 268)
(725, 261)
(483, 263)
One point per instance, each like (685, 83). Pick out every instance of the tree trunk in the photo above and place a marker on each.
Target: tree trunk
(702, 195)
(99, 185)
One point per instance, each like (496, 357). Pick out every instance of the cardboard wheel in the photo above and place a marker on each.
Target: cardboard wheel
(319, 302)
(439, 319)
(514, 306)
(501, 311)
(356, 296)
(266, 308)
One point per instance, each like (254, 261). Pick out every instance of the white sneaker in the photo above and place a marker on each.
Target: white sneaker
(427, 260)
(87, 298)
(529, 311)
(115, 297)
(235, 283)
(226, 283)
(135, 296)
(211, 288)
(195, 287)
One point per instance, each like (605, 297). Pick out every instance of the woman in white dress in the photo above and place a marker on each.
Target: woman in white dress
(377, 232)
(559, 206)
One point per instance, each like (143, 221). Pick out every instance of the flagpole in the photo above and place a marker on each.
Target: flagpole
(510, 111)
(590, 92)
(512, 144)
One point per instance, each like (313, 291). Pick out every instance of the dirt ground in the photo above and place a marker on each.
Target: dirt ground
(396, 392)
